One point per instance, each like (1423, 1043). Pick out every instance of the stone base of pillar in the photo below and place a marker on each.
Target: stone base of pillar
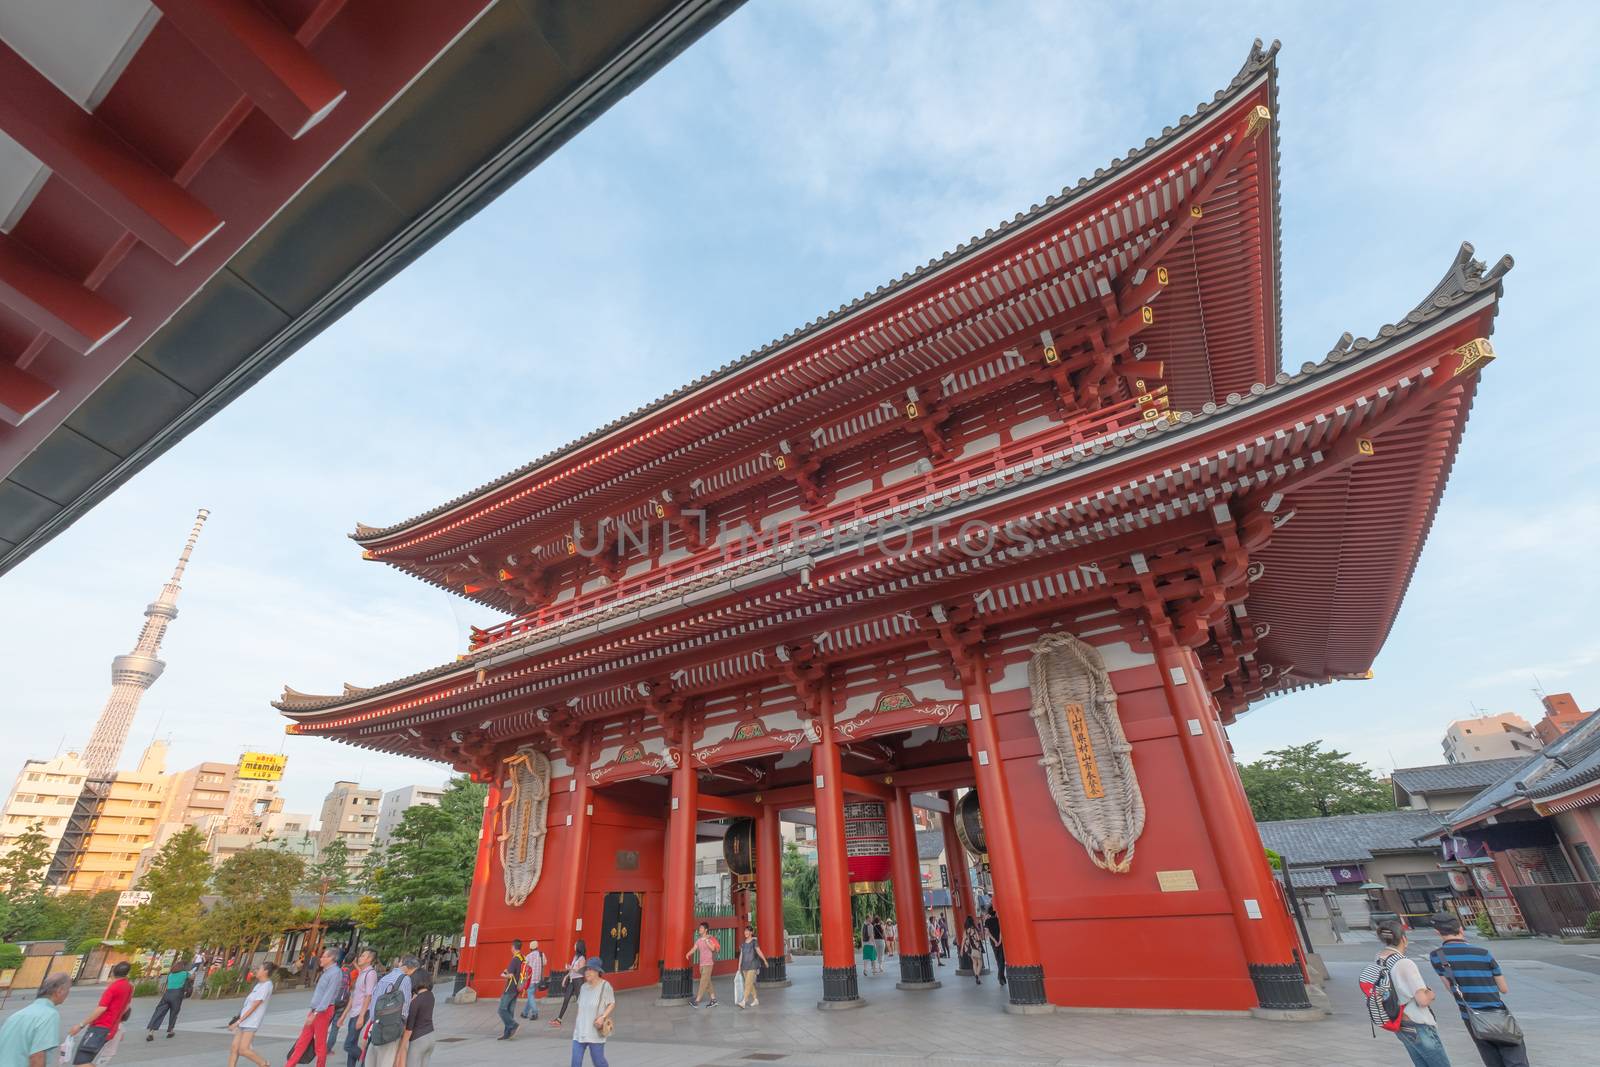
(1280, 986)
(916, 972)
(774, 974)
(1030, 1009)
(839, 990)
(1025, 986)
(677, 987)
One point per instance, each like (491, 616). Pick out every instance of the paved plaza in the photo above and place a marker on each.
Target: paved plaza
(1554, 992)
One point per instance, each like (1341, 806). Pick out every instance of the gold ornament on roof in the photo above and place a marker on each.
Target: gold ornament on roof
(1474, 353)
(1259, 119)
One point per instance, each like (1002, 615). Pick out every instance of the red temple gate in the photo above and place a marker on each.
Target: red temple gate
(1039, 519)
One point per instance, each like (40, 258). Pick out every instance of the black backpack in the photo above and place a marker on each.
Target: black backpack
(388, 1016)
(342, 1001)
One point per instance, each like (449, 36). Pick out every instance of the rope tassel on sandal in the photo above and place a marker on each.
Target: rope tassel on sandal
(1088, 760)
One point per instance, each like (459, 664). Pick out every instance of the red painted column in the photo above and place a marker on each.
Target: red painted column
(576, 868)
(479, 898)
(677, 912)
(839, 988)
(769, 898)
(916, 966)
(956, 863)
(1266, 932)
(1024, 968)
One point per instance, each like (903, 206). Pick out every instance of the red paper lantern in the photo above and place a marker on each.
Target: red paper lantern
(866, 846)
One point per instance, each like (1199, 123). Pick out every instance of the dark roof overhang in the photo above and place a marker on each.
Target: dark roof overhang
(516, 84)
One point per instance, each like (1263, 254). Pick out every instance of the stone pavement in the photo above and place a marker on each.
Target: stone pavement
(1554, 992)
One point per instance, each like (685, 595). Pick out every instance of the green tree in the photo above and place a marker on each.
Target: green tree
(23, 900)
(365, 878)
(422, 887)
(180, 875)
(74, 917)
(329, 874)
(256, 897)
(802, 890)
(1303, 782)
(368, 914)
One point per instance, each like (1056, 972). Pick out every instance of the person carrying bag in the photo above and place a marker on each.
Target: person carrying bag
(1474, 978)
(102, 1030)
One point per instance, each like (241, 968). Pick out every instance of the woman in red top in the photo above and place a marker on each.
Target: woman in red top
(107, 1017)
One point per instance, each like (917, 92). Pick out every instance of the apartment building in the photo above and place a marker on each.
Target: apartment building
(395, 804)
(1490, 737)
(350, 814)
(44, 793)
(126, 826)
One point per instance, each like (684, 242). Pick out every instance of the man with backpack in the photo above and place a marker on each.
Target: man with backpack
(1471, 973)
(513, 975)
(319, 1016)
(391, 1000)
(1398, 998)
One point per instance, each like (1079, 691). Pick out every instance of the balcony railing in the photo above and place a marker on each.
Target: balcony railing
(1111, 425)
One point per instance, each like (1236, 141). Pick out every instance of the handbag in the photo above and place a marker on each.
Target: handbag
(1497, 1026)
(605, 1027)
(90, 1044)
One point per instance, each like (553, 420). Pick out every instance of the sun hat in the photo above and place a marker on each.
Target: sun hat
(594, 963)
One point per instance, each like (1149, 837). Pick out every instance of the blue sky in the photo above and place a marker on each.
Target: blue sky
(801, 155)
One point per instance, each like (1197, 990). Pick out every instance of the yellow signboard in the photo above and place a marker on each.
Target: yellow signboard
(262, 766)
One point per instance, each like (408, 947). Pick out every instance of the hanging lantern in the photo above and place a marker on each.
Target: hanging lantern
(866, 846)
(739, 850)
(969, 826)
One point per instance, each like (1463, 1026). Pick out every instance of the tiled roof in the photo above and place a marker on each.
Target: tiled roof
(930, 843)
(1347, 838)
(1311, 877)
(1579, 765)
(1453, 777)
(1569, 761)
(1261, 58)
(1466, 279)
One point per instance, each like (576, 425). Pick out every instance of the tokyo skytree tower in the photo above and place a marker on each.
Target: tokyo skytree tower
(132, 674)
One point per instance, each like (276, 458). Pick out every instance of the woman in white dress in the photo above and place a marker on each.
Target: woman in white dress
(249, 1020)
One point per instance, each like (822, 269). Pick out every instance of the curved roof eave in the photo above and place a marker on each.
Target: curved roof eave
(1260, 62)
(1466, 279)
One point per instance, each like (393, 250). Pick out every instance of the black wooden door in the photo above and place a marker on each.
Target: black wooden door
(619, 937)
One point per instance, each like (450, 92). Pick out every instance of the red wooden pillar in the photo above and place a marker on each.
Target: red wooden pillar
(1265, 929)
(479, 898)
(916, 965)
(576, 869)
(839, 988)
(1024, 969)
(677, 912)
(769, 898)
(956, 864)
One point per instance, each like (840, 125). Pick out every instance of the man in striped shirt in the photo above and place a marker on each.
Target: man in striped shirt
(1477, 981)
